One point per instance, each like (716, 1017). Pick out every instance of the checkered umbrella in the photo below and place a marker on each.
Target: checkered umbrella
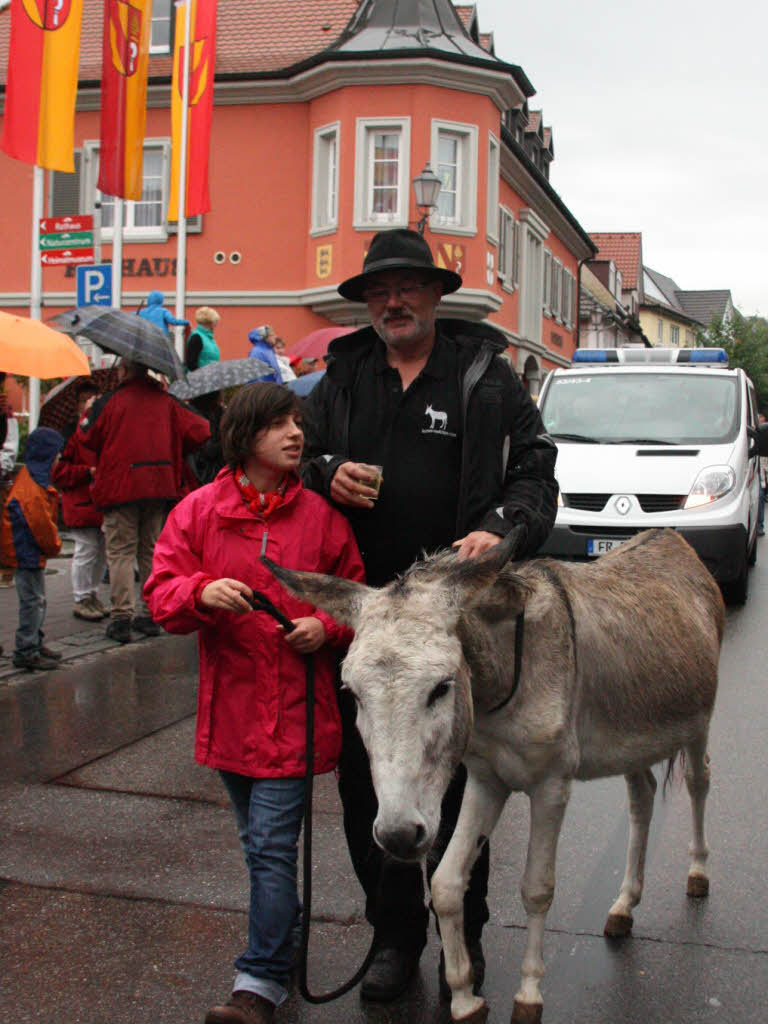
(230, 373)
(125, 334)
(59, 407)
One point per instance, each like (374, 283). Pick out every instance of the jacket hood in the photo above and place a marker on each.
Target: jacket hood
(155, 298)
(42, 447)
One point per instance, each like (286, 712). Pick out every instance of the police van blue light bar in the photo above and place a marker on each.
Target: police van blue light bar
(644, 356)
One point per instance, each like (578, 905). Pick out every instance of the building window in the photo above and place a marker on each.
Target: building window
(508, 270)
(454, 158)
(162, 27)
(674, 335)
(533, 234)
(325, 180)
(382, 171)
(144, 219)
(569, 296)
(555, 295)
(492, 221)
(660, 332)
(546, 289)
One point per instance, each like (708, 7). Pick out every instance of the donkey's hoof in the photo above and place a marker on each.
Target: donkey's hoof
(698, 886)
(526, 1013)
(618, 926)
(479, 1016)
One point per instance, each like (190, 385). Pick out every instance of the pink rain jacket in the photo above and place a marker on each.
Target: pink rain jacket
(251, 701)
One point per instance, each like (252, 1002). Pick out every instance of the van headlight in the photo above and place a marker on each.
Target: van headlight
(712, 483)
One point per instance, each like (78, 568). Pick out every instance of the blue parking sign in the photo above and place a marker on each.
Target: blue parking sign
(94, 285)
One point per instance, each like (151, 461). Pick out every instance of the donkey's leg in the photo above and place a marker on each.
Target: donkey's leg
(481, 805)
(548, 802)
(696, 769)
(641, 787)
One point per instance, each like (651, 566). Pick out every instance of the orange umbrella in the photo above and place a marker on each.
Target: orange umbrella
(28, 348)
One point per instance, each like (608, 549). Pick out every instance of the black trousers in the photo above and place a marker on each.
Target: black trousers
(394, 892)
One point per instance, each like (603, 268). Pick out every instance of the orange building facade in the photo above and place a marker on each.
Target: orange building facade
(319, 128)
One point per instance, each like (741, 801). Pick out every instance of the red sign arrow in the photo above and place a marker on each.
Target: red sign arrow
(50, 224)
(61, 257)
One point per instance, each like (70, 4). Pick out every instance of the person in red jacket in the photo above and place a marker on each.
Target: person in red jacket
(140, 435)
(251, 711)
(73, 475)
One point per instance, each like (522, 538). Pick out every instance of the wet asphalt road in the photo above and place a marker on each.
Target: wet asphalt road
(122, 890)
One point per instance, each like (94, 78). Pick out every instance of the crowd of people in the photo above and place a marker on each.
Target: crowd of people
(419, 436)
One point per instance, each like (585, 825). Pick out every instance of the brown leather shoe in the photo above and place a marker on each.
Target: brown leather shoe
(242, 1008)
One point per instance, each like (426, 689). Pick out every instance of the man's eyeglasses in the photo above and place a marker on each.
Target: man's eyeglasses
(408, 291)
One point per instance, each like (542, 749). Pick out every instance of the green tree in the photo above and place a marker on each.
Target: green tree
(745, 340)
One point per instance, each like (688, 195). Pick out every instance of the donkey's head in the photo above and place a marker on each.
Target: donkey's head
(410, 678)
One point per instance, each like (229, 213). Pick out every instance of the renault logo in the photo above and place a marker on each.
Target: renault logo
(622, 505)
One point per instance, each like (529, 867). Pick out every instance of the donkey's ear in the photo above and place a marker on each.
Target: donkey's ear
(502, 599)
(341, 598)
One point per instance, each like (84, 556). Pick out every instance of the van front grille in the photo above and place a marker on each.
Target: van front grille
(661, 502)
(586, 502)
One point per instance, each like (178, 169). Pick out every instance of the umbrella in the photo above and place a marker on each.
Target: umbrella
(59, 407)
(304, 384)
(230, 373)
(125, 334)
(28, 348)
(315, 345)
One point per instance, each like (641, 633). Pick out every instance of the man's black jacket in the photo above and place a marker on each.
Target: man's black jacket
(508, 462)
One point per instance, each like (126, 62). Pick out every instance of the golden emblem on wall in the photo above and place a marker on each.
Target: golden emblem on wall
(324, 260)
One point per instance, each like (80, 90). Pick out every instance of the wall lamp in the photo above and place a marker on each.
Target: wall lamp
(426, 187)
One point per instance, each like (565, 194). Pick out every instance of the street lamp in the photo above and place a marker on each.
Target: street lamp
(426, 187)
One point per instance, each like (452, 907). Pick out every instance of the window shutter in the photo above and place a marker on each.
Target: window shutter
(64, 197)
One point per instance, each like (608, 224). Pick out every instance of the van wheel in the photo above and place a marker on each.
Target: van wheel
(736, 591)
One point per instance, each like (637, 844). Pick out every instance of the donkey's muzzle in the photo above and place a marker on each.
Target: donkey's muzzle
(403, 840)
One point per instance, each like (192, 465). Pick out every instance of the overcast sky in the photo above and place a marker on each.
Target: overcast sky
(659, 113)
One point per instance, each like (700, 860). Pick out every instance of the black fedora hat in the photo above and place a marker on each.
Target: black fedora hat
(398, 249)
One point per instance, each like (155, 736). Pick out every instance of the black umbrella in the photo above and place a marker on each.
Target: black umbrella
(230, 373)
(126, 334)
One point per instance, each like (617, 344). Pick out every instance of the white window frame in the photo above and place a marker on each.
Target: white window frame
(366, 129)
(325, 179)
(89, 178)
(674, 335)
(660, 332)
(164, 48)
(494, 174)
(569, 293)
(546, 284)
(465, 221)
(533, 233)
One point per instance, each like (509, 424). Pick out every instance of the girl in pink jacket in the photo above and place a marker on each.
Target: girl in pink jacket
(251, 704)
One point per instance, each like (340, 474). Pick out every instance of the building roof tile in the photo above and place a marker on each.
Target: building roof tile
(625, 248)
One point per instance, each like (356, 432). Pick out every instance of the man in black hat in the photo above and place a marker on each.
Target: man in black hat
(465, 461)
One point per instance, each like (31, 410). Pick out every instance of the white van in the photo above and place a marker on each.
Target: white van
(656, 437)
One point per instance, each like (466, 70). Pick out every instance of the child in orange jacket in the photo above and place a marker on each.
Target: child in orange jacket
(28, 537)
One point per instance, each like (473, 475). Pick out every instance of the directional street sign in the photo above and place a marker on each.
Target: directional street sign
(80, 223)
(60, 257)
(94, 285)
(67, 240)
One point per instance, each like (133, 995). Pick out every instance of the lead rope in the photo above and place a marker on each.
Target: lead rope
(261, 602)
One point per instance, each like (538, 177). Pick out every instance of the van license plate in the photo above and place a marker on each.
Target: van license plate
(602, 545)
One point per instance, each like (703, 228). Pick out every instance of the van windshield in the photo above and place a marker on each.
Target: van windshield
(644, 408)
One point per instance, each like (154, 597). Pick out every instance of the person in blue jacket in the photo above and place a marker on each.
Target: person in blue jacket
(157, 314)
(262, 341)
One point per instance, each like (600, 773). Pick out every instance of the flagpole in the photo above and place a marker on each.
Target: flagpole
(117, 254)
(36, 283)
(181, 236)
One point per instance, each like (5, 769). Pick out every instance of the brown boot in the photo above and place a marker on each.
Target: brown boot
(242, 1008)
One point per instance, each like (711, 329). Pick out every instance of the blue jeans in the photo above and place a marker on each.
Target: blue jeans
(30, 590)
(269, 813)
(761, 509)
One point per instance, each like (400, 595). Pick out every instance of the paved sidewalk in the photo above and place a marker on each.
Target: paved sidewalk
(74, 638)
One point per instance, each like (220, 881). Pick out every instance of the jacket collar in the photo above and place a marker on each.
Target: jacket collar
(229, 502)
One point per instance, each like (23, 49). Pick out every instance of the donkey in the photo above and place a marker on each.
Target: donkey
(437, 418)
(534, 676)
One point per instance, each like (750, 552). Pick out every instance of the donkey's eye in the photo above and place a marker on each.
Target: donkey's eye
(438, 691)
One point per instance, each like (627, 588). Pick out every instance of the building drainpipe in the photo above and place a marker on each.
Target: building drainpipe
(578, 299)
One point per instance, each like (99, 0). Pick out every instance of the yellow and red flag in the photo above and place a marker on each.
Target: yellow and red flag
(202, 60)
(40, 95)
(124, 73)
